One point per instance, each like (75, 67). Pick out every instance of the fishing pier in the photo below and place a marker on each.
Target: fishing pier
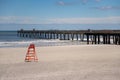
(88, 36)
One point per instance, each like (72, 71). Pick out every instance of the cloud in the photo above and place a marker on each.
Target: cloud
(63, 3)
(97, 0)
(84, 1)
(106, 20)
(22, 20)
(33, 20)
(75, 2)
(15, 19)
(108, 8)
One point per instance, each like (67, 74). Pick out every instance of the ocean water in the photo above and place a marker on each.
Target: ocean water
(9, 38)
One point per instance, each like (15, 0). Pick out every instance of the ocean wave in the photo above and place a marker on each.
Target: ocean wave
(25, 43)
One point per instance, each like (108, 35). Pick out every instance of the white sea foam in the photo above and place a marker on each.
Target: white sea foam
(24, 43)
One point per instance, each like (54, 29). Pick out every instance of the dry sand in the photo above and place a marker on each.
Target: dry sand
(81, 62)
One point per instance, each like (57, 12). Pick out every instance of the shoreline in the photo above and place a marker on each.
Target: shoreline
(39, 43)
(45, 44)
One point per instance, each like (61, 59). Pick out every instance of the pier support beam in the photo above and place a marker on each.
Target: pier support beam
(98, 39)
(95, 38)
(87, 39)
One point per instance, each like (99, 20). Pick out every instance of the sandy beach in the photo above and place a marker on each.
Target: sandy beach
(76, 62)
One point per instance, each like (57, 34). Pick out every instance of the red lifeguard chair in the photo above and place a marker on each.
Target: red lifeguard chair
(31, 54)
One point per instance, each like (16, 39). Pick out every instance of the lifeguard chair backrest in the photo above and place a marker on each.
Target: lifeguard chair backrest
(31, 46)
